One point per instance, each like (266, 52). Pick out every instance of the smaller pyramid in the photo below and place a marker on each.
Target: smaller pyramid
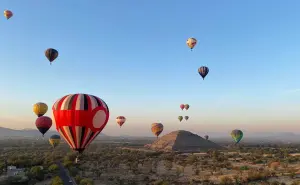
(183, 141)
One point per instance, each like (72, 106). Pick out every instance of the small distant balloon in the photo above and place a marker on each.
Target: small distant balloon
(180, 118)
(237, 135)
(54, 140)
(120, 120)
(182, 106)
(8, 14)
(186, 106)
(203, 71)
(186, 118)
(157, 128)
(191, 43)
(51, 54)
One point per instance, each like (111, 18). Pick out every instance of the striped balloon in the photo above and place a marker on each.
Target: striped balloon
(120, 120)
(203, 71)
(80, 118)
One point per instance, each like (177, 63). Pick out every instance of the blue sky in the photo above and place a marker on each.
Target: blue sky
(133, 55)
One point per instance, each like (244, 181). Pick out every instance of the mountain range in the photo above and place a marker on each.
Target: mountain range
(13, 133)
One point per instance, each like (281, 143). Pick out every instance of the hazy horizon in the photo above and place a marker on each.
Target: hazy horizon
(134, 56)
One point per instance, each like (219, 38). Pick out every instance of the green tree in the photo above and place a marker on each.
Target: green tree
(86, 182)
(37, 173)
(53, 168)
(57, 181)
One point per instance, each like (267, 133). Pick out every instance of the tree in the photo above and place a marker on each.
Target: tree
(53, 168)
(57, 181)
(86, 182)
(37, 173)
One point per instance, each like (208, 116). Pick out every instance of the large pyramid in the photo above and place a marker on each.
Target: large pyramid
(183, 141)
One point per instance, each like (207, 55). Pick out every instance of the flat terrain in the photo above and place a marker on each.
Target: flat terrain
(113, 163)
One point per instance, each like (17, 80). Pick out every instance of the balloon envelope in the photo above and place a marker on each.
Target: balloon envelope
(120, 120)
(191, 42)
(157, 128)
(54, 140)
(180, 118)
(40, 108)
(237, 135)
(51, 54)
(203, 71)
(182, 106)
(8, 14)
(186, 106)
(79, 118)
(43, 124)
(186, 117)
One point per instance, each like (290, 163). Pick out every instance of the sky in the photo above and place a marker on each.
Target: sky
(133, 55)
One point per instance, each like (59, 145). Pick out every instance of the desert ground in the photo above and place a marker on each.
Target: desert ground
(120, 162)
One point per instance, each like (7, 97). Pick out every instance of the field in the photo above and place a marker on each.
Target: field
(113, 162)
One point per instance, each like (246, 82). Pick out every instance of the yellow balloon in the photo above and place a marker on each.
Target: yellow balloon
(191, 42)
(54, 140)
(40, 109)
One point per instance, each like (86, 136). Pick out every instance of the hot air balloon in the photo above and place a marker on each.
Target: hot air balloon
(203, 71)
(191, 43)
(79, 118)
(40, 109)
(43, 124)
(186, 118)
(157, 128)
(206, 137)
(121, 120)
(182, 106)
(51, 54)
(186, 106)
(54, 140)
(8, 14)
(180, 118)
(237, 135)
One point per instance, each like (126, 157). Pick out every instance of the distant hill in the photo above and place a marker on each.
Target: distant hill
(13, 133)
(183, 141)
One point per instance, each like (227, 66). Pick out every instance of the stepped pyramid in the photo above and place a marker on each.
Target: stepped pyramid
(183, 141)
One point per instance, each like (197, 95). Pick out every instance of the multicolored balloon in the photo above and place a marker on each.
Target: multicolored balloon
(180, 118)
(186, 106)
(237, 135)
(203, 71)
(182, 106)
(157, 128)
(191, 43)
(43, 124)
(186, 118)
(121, 120)
(206, 137)
(54, 140)
(40, 108)
(80, 118)
(51, 54)
(8, 14)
